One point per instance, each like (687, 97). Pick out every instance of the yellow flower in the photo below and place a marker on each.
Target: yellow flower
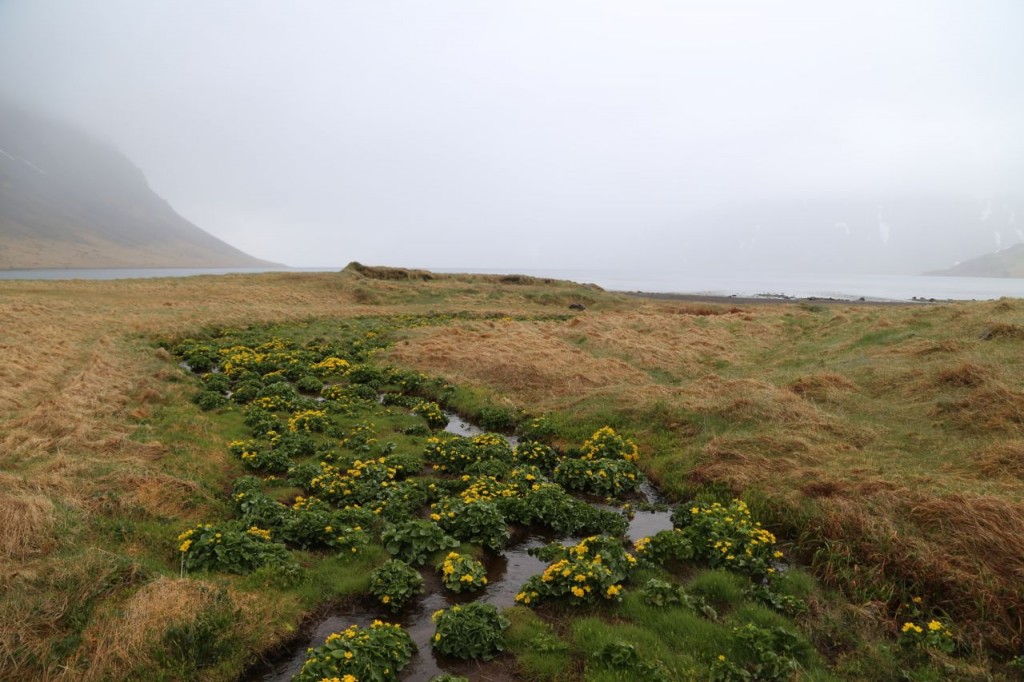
(348, 655)
(385, 599)
(613, 590)
(257, 532)
(721, 657)
(577, 591)
(908, 626)
(934, 625)
(185, 545)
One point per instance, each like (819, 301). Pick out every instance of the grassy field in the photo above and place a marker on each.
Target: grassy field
(884, 445)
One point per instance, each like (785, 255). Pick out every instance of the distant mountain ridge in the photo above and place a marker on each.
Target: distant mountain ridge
(1006, 263)
(70, 201)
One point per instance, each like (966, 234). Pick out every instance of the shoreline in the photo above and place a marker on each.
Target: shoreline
(735, 299)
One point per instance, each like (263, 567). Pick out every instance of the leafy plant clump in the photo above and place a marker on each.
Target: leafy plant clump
(260, 457)
(727, 537)
(664, 546)
(414, 541)
(662, 593)
(431, 413)
(536, 430)
(605, 476)
(230, 549)
(376, 654)
(931, 635)
(627, 663)
(474, 630)
(605, 443)
(395, 583)
(591, 570)
(475, 521)
(461, 572)
(772, 655)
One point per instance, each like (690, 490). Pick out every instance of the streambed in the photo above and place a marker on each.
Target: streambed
(507, 570)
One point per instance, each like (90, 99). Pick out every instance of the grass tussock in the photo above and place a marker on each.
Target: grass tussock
(989, 408)
(824, 386)
(964, 374)
(1002, 330)
(126, 638)
(1005, 458)
(28, 522)
(977, 547)
(155, 495)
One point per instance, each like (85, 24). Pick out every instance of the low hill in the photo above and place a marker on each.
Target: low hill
(69, 201)
(1006, 263)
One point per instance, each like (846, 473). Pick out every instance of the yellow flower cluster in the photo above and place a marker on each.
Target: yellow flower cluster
(486, 489)
(255, 531)
(605, 442)
(331, 365)
(526, 597)
(461, 571)
(308, 420)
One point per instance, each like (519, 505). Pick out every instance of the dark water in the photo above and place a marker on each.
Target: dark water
(506, 572)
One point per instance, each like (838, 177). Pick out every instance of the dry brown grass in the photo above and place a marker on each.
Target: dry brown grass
(28, 522)
(991, 408)
(529, 361)
(867, 414)
(1002, 330)
(1002, 459)
(121, 639)
(73, 390)
(964, 374)
(871, 414)
(825, 386)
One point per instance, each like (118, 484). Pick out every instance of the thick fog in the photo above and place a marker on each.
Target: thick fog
(813, 136)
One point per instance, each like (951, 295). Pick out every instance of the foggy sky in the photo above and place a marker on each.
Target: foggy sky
(634, 134)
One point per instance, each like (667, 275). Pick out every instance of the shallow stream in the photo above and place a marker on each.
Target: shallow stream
(507, 570)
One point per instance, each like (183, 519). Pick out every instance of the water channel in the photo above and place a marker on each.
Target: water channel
(507, 570)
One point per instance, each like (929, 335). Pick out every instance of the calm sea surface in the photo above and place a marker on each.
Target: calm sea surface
(870, 287)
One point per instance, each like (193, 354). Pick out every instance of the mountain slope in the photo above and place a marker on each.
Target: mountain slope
(1006, 263)
(67, 200)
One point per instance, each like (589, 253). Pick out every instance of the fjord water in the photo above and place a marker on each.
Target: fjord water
(742, 285)
(796, 285)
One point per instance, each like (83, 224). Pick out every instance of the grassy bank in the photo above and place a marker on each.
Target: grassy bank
(883, 443)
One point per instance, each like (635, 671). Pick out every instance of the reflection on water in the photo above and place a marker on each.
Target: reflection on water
(461, 427)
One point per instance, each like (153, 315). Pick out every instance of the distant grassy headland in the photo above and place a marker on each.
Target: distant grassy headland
(882, 445)
(1006, 263)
